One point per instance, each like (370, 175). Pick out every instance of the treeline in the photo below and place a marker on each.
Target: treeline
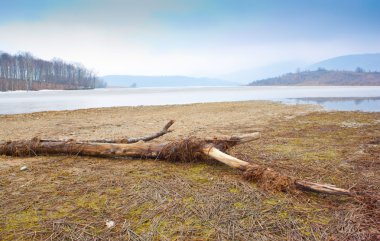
(324, 77)
(25, 72)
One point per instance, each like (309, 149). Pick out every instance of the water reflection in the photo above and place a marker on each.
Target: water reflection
(368, 104)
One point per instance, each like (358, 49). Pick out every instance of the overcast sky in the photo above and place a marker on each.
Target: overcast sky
(188, 37)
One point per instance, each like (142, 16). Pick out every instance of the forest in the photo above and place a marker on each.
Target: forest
(23, 71)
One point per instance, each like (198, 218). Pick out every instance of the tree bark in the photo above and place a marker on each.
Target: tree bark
(72, 147)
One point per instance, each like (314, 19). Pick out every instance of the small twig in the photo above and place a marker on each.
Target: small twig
(153, 136)
(164, 131)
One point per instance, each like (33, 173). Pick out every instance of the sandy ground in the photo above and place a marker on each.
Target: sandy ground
(71, 197)
(109, 123)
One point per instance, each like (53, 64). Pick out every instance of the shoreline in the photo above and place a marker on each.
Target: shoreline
(315, 106)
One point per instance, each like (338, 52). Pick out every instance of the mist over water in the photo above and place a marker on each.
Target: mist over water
(34, 101)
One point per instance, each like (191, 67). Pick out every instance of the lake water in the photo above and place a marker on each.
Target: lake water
(332, 98)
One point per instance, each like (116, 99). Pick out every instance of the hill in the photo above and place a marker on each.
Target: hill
(323, 77)
(368, 62)
(162, 81)
(245, 76)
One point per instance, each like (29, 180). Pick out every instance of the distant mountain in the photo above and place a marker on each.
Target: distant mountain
(345, 64)
(368, 62)
(323, 77)
(248, 75)
(162, 81)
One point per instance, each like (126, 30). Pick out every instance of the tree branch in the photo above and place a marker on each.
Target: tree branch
(129, 140)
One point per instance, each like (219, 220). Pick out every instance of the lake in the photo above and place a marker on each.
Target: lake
(332, 98)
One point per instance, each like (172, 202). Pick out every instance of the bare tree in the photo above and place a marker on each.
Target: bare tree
(25, 72)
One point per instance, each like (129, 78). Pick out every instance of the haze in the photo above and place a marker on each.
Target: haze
(189, 37)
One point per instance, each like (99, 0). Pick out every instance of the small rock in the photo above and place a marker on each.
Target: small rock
(23, 168)
(110, 223)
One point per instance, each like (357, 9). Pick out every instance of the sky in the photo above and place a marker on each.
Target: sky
(208, 38)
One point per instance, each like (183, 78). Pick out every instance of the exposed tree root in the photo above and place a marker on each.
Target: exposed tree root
(268, 178)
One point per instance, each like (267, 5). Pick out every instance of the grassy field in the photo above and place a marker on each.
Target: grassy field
(72, 197)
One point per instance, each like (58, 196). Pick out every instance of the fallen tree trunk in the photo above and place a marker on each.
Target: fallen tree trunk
(185, 150)
(140, 149)
(72, 147)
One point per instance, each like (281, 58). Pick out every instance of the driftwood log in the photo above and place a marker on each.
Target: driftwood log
(183, 150)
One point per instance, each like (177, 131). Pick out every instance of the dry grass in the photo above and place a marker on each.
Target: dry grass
(73, 197)
(324, 148)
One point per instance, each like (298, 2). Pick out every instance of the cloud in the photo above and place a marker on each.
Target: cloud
(200, 38)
